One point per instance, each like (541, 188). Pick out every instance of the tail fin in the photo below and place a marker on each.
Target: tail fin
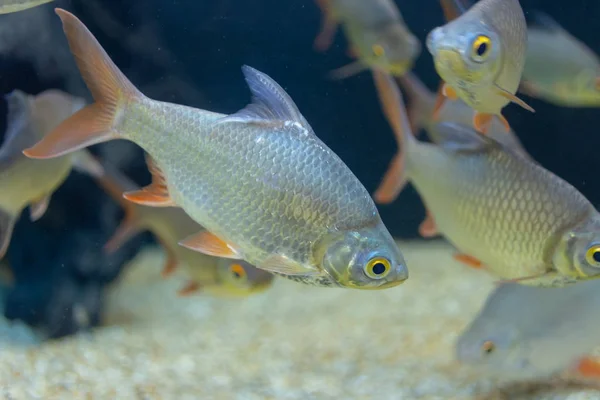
(97, 122)
(393, 107)
(421, 101)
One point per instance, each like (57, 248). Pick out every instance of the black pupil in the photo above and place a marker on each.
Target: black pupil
(596, 256)
(237, 274)
(482, 49)
(378, 268)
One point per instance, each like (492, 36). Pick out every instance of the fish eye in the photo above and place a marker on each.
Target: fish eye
(488, 347)
(378, 268)
(481, 47)
(378, 50)
(238, 272)
(592, 255)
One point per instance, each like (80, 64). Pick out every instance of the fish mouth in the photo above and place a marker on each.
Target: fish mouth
(450, 62)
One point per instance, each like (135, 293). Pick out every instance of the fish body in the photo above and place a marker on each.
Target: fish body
(480, 56)
(529, 332)
(23, 181)
(559, 68)
(496, 205)
(11, 6)
(170, 225)
(260, 181)
(377, 33)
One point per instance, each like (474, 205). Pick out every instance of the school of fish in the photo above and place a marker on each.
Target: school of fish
(238, 199)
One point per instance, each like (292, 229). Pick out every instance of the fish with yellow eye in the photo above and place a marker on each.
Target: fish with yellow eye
(480, 57)
(376, 31)
(559, 68)
(501, 210)
(215, 275)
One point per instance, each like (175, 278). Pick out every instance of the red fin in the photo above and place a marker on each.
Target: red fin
(125, 231)
(504, 122)
(190, 288)
(392, 183)
(439, 101)
(428, 229)
(110, 88)
(468, 260)
(482, 122)
(589, 368)
(207, 243)
(38, 208)
(171, 261)
(156, 194)
(328, 27)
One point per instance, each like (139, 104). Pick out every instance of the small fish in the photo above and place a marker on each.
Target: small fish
(267, 190)
(480, 56)
(169, 225)
(11, 6)
(377, 33)
(531, 332)
(26, 182)
(559, 68)
(498, 208)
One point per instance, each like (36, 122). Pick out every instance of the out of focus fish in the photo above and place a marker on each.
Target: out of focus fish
(169, 225)
(420, 113)
(480, 56)
(26, 182)
(262, 183)
(377, 33)
(11, 6)
(530, 332)
(497, 207)
(559, 68)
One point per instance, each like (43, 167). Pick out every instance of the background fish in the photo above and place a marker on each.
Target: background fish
(376, 31)
(480, 56)
(559, 68)
(26, 182)
(497, 207)
(262, 183)
(527, 332)
(170, 225)
(11, 6)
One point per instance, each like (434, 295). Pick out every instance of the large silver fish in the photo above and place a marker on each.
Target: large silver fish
(262, 183)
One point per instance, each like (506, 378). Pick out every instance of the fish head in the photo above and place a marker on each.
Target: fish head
(577, 254)
(584, 88)
(241, 278)
(392, 49)
(466, 53)
(367, 258)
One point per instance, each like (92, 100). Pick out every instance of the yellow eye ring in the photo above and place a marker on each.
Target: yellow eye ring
(592, 255)
(481, 48)
(378, 268)
(378, 50)
(488, 347)
(238, 272)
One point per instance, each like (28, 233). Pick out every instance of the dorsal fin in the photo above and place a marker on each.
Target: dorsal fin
(462, 138)
(270, 103)
(544, 21)
(156, 194)
(20, 132)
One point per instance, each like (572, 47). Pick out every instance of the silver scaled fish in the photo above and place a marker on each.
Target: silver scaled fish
(376, 31)
(525, 332)
(559, 68)
(11, 6)
(498, 208)
(26, 182)
(260, 181)
(480, 56)
(215, 275)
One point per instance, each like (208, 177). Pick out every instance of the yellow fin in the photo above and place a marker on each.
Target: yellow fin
(208, 243)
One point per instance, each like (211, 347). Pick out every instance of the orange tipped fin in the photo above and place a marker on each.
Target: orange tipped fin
(482, 122)
(589, 368)
(38, 208)
(504, 122)
(156, 194)
(513, 98)
(468, 260)
(97, 122)
(190, 288)
(439, 101)
(125, 231)
(171, 261)
(449, 92)
(207, 243)
(428, 229)
(393, 181)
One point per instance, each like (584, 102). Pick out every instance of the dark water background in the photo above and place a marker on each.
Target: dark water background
(190, 52)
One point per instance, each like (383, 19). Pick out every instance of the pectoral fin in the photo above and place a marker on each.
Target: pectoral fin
(7, 223)
(348, 70)
(207, 243)
(513, 98)
(283, 265)
(39, 207)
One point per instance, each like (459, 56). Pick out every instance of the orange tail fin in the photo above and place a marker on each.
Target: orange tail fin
(97, 122)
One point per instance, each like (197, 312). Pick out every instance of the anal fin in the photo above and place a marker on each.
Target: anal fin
(156, 194)
(38, 208)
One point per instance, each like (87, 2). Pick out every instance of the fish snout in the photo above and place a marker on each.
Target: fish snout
(433, 39)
